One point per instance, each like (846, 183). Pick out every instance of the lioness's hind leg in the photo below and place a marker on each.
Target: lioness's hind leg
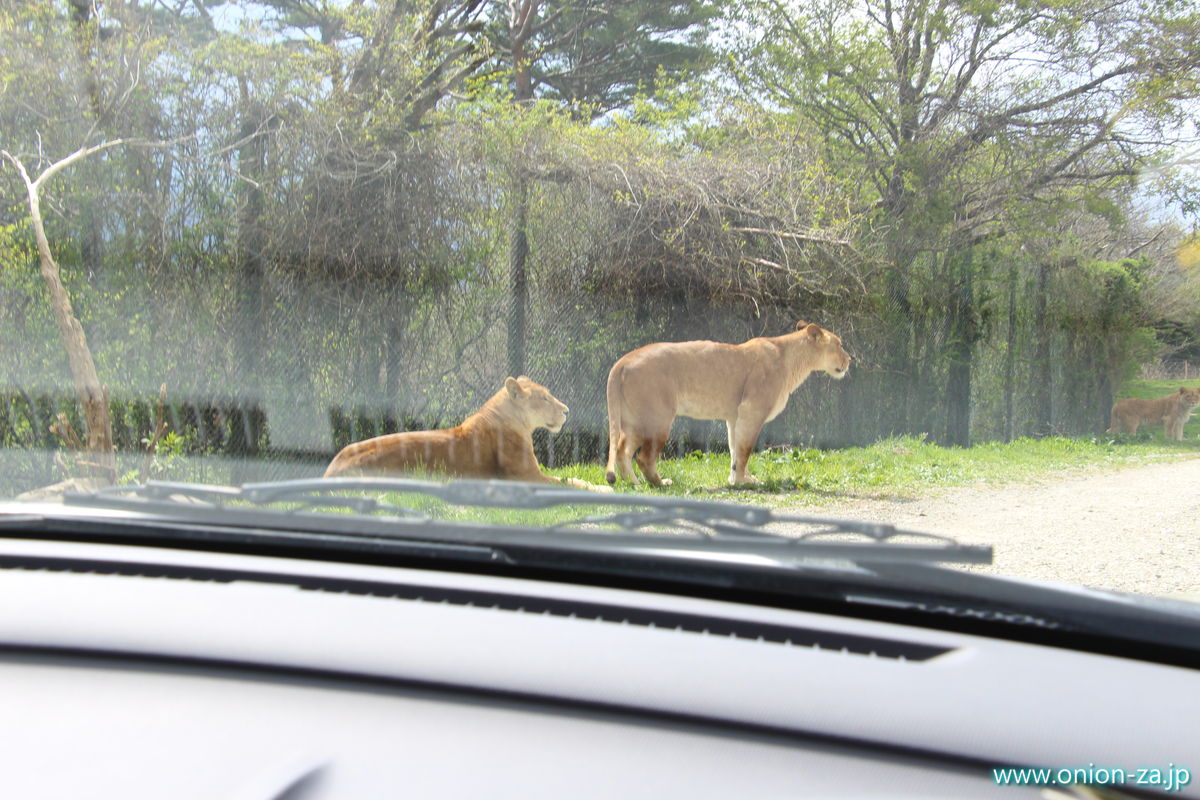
(625, 446)
(647, 459)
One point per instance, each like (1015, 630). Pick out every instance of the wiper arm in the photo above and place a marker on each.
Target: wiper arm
(721, 518)
(493, 494)
(705, 517)
(158, 493)
(691, 524)
(714, 519)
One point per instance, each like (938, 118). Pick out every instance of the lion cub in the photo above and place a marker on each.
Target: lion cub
(1172, 411)
(747, 385)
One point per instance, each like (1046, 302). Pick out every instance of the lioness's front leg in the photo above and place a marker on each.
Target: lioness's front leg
(579, 483)
(523, 466)
(733, 471)
(743, 433)
(575, 483)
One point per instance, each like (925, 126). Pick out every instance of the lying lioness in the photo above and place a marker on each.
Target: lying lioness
(747, 385)
(494, 442)
(1172, 411)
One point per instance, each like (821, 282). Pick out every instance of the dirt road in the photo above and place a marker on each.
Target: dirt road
(1135, 529)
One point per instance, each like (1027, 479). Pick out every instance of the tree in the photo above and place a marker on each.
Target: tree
(592, 56)
(52, 104)
(92, 395)
(596, 56)
(388, 64)
(953, 112)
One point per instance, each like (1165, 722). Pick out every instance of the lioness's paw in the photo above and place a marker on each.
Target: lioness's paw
(666, 482)
(579, 483)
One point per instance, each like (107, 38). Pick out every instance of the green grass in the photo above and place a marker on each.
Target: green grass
(909, 467)
(894, 468)
(903, 467)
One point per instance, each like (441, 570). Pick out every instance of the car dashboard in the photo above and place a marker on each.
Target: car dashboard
(135, 671)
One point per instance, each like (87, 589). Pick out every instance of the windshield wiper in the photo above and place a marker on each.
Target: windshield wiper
(645, 523)
(686, 545)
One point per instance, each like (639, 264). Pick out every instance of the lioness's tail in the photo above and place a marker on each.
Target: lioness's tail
(615, 376)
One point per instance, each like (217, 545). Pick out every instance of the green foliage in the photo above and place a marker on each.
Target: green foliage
(595, 58)
(1104, 296)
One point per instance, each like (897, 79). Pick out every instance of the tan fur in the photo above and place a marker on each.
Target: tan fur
(1172, 411)
(494, 442)
(747, 385)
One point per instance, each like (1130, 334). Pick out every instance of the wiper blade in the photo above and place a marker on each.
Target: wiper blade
(159, 493)
(491, 494)
(718, 519)
(660, 523)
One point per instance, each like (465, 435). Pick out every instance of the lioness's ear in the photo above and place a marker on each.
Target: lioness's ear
(814, 330)
(513, 387)
(801, 325)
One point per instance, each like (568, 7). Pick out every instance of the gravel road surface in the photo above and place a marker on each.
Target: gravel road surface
(1134, 529)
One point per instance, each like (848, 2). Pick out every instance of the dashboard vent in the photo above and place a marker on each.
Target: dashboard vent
(701, 624)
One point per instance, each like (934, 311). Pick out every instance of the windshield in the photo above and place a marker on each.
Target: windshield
(932, 265)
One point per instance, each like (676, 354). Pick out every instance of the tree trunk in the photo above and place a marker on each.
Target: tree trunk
(1010, 356)
(251, 243)
(84, 30)
(1042, 368)
(524, 13)
(961, 348)
(1104, 390)
(518, 252)
(92, 396)
(929, 395)
(91, 240)
(393, 351)
(848, 423)
(899, 363)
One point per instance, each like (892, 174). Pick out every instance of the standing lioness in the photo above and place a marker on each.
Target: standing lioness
(1172, 411)
(494, 442)
(747, 385)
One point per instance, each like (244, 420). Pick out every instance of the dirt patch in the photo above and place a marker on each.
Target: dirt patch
(1134, 529)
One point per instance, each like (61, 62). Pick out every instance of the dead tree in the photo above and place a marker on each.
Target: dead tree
(92, 395)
